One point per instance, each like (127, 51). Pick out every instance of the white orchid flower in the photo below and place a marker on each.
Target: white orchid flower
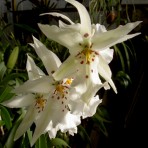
(32, 102)
(75, 93)
(45, 99)
(89, 46)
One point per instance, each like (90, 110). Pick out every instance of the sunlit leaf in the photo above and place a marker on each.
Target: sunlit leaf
(5, 93)
(6, 117)
(12, 76)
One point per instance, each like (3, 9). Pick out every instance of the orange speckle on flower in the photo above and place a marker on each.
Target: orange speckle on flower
(86, 76)
(86, 35)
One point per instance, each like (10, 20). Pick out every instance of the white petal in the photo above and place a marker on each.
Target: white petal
(34, 72)
(66, 37)
(41, 85)
(126, 37)
(85, 91)
(86, 81)
(69, 123)
(26, 122)
(67, 70)
(51, 131)
(105, 72)
(72, 131)
(107, 39)
(74, 27)
(19, 101)
(107, 54)
(49, 59)
(90, 109)
(58, 15)
(53, 118)
(83, 109)
(84, 17)
(99, 28)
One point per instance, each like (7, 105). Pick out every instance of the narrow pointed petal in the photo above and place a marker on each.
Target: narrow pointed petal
(107, 39)
(58, 15)
(19, 101)
(33, 71)
(65, 37)
(41, 85)
(84, 17)
(74, 27)
(26, 122)
(49, 59)
(126, 37)
(105, 72)
(67, 69)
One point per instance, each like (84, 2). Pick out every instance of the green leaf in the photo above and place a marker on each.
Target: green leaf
(84, 135)
(24, 141)
(29, 135)
(58, 142)
(2, 70)
(102, 114)
(2, 123)
(118, 52)
(41, 142)
(123, 79)
(10, 140)
(6, 117)
(126, 54)
(5, 93)
(12, 76)
(102, 118)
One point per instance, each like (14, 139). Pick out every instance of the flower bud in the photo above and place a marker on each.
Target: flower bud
(12, 59)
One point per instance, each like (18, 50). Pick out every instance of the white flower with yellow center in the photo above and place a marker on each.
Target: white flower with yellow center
(33, 103)
(46, 100)
(89, 47)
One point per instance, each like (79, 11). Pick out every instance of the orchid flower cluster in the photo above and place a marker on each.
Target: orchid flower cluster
(58, 100)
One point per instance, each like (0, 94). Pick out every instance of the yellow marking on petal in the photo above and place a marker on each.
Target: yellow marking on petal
(87, 53)
(40, 102)
(68, 81)
(60, 88)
